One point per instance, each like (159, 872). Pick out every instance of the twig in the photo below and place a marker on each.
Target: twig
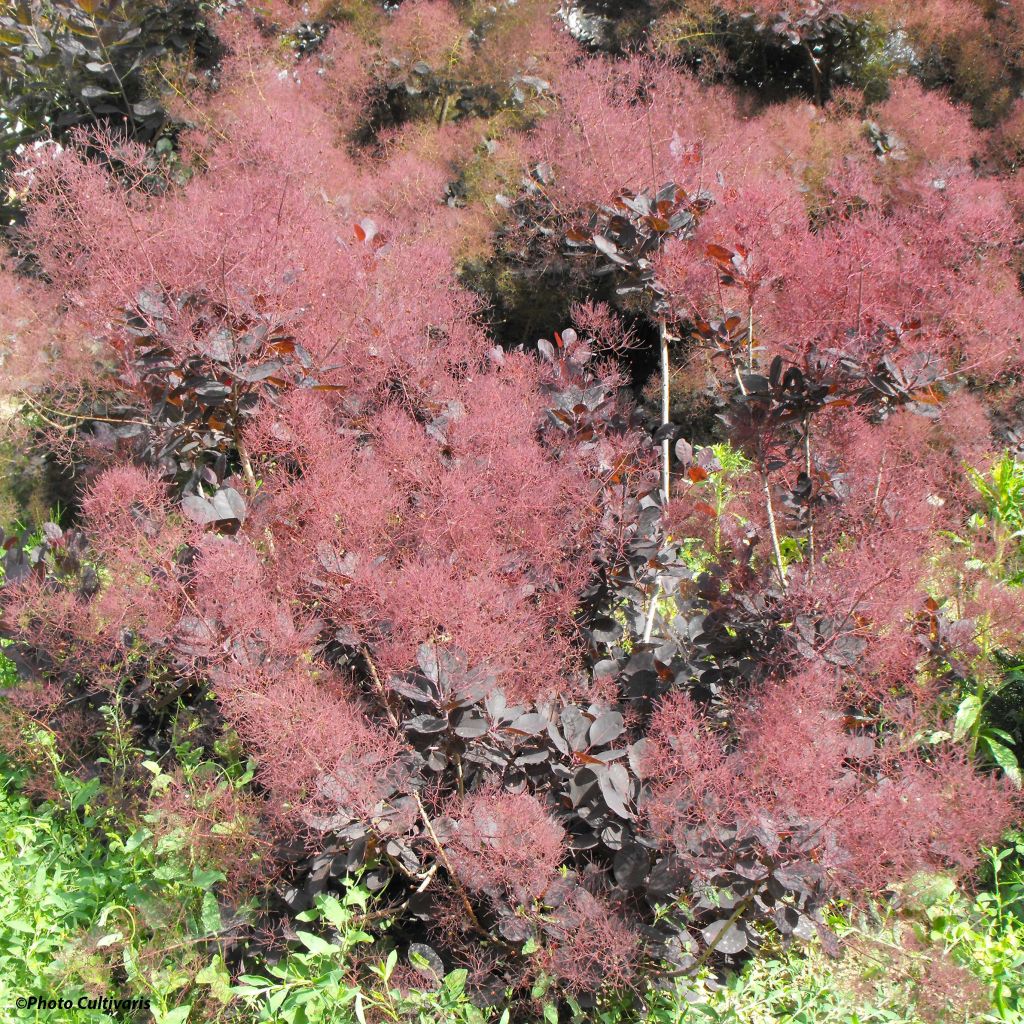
(819, 97)
(860, 300)
(878, 483)
(447, 864)
(651, 610)
(732, 919)
(393, 911)
(41, 410)
(810, 506)
(379, 684)
(243, 456)
(666, 445)
(750, 340)
(113, 70)
(772, 529)
(666, 458)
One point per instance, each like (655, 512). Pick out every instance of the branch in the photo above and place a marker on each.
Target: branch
(42, 410)
(750, 340)
(810, 490)
(447, 865)
(666, 445)
(733, 918)
(769, 507)
(243, 457)
(397, 909)
(772, 529)
(651, 611)
(379, 685)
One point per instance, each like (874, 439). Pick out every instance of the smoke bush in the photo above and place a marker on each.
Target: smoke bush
(431, 579)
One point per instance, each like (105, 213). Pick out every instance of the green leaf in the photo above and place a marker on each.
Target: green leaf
(1002, 734)
(176, 1016)
(550, 1013)
(1005, 758)
(455, 982)
(333, 912)
(253, 979)
(215, 975)
(317, 945)
(933, 889)
(136, 839)
(248, 991)
(204, 878)
(210, 915)
(85, 794)
(276, 1000)
(966, 716)
(356, 896)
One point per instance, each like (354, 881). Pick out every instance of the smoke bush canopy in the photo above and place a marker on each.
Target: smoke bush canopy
(821, 46)
(429, 578)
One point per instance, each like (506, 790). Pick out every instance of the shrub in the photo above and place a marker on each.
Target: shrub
(67, 65)
(817, 49)
(435, 584)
